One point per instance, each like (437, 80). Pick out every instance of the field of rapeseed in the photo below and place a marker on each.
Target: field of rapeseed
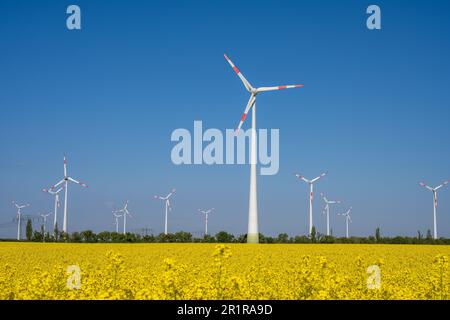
(235, 271)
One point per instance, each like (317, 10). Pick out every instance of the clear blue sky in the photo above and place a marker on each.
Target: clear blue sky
(374, 110)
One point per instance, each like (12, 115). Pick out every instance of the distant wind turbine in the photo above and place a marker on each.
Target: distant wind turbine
(124, 212)
(66, 179)
(206, 213)
(311, 195)
(44, 216)
(19, 218)
(434, 190)
(57, 204)
(326, 210)
(168, 206)
(116, 222)
(347, 220)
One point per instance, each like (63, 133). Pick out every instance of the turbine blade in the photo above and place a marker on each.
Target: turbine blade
(77, 182)
(302, 178)
(426, 186)
(291, 86)
(322, 175)
(65, 166)
(442, 185)
(240, 75)
(250, 103)
(59, 183)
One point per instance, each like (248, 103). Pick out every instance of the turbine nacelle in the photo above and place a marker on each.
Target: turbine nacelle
(254, 91)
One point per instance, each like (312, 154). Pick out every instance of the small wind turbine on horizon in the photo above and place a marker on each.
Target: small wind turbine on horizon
(57, 204)
(116, 222)
(124, 212)
(167, 204)
(44, 217)
(66, 179)
(311, 195)
(326, 210)
(206, 213)
(347, 220)
(19, 217)
(253, 233)
(434, 190)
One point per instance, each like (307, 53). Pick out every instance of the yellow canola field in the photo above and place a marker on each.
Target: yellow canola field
(232, 271)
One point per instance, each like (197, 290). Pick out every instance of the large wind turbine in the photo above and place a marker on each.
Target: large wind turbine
(66, 179)
(326, 210)
(168, 206)
(347, 220)
(57, 203)
(19, 217)
(434, 190)
(206, 213)
(311, 196)
(124, 212)
(253, 234)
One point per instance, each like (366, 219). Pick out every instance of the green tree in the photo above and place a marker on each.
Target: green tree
(429, 236)
(75, 237)
(224, 237)
(283, 238)
(377, 234)
(313, 234)
(182, 236)
(88, 236)
(43, 232)
(29, 230)
(104, 236)
(37, 236)
(56, 233)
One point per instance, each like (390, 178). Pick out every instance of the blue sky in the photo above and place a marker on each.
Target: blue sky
(374, 110)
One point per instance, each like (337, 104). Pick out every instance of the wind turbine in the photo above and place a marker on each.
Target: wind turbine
(327, 210)
(125, 213)
(434, 190)
(19, 217)
(347, 220)
(311, 196)
(168, 206)
(57, 203)
(253, 234)
(206, 213)
(66, 179)
(117, 216)
(44, 216)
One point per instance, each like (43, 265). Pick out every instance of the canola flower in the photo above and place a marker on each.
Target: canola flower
(232, 271)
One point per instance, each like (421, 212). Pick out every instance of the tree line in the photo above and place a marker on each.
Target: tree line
(88, 236)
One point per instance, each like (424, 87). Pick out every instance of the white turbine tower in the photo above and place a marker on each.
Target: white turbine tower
(57, 204)
(66, 179)
(206, 213)
(347, 220)
(326, 210)
(253, 234)
(124, 212)
(434, 190)
(311, 196)
(168, 206)
(19, 217)
(116, 222)
(44, 216)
